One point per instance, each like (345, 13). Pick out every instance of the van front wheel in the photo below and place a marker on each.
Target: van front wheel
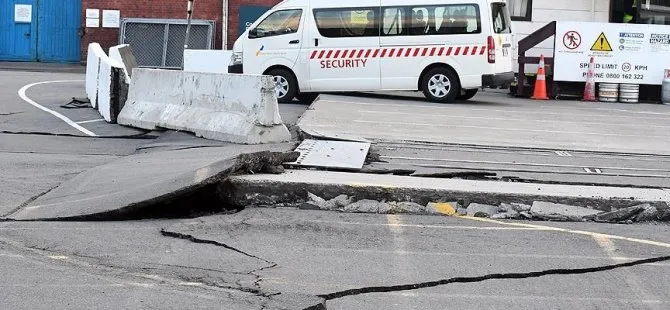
(440, 85)
(285, 85)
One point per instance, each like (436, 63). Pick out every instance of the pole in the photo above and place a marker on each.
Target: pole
(189, 12)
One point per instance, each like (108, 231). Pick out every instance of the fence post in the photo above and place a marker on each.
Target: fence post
(189, 14)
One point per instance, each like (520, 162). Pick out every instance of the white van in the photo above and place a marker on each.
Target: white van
(446, 48)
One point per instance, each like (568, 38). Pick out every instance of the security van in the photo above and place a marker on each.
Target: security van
(447, 49)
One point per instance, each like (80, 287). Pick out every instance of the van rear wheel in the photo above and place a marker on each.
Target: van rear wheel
(440, 85)
(285, 84)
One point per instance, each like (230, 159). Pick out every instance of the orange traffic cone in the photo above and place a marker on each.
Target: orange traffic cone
(590, 87)
(540, 92)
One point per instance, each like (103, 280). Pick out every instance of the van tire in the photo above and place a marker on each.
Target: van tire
(467, 94)
(434, 79)
(288, 82)
(307, 98)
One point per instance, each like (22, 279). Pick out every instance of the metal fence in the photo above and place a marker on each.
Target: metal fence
(159, 43)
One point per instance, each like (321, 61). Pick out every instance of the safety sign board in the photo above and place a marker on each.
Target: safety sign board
(623, 53)
(601, 44)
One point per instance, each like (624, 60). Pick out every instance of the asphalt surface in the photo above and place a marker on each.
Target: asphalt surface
(512, 139)
(279, 259)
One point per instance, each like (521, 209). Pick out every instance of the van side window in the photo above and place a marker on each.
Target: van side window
(392, 24)
(347, 22)
(451, 19)
(278, 23)
(501, 18)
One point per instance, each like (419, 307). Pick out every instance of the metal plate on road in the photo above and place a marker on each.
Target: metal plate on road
(332, 154)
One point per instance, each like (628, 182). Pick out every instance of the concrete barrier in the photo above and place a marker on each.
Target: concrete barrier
(212, 61)
(95, 53)
(123, 54)
(227, 107)
(110, 78)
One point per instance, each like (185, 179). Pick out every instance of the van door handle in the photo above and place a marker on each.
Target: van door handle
(316, 42)
(294, 42)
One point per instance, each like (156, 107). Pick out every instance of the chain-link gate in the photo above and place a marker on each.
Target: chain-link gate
(159, 43)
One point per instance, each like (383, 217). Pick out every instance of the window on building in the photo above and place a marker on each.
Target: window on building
(347, 22)
(520, 10)
(278, 23)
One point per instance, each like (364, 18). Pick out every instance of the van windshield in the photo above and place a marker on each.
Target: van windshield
(501, 20)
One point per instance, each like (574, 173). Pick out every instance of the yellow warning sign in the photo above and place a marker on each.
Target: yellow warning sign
(601, 44)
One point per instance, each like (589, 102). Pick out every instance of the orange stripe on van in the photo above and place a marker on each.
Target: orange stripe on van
(401, 52)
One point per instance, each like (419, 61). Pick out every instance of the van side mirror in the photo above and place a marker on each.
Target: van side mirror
(253, 33)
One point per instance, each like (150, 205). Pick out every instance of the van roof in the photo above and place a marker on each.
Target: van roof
(363, 3)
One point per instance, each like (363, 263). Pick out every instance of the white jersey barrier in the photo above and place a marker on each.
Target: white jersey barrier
(227, 107)
(107, 79)
(213, 61)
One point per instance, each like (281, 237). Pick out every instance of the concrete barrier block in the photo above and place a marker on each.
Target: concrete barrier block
(227, 107)
(95, 53)
(110, 77)
(123, 54)
(212, 61)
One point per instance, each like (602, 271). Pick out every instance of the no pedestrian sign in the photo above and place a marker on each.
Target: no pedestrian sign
(623, 53)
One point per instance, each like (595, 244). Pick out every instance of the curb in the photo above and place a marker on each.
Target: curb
(385, 194)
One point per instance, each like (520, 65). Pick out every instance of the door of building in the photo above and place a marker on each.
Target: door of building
(40, 30)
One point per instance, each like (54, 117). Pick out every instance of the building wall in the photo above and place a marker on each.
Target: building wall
(204, 9)
(546, 11)
(107, 37)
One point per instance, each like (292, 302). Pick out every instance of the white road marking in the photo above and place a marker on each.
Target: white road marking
(456, 227)
(588, 170)
(22, 94)
(92, 121)
(563, 153)
(405, 124)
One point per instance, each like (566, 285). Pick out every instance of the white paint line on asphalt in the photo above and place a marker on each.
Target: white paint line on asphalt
(419, 226)
(634, 282)
(542, 121)
(92, 121)
(22, 94)
(405, 124)
(571, 231)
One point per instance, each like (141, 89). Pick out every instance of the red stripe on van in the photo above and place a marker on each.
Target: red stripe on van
(409, 51)
(399, 53)
(360, 53)
(416, 51)
(383, 53)
(330, 53)
(449, 50)
(465, 50)
(432, 52)
(374, 55)
(313, 55)
(483, 50)
(474, 51)
(367, 54)
(344, 54)
(440, 53)
(321, 54)
(425, 51)
(458, 51)
(391, 52)
(337, 53)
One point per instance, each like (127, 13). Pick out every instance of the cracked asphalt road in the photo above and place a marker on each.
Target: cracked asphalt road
(282, 258)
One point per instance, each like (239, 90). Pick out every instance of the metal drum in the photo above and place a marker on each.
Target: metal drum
(629, 93)
(666, 87)
(608, 92)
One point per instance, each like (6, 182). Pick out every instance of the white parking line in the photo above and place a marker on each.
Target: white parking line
(92, 121)
(22, 94)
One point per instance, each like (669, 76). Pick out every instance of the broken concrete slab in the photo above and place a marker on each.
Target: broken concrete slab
(366, 206)
(475, 209)
(404, 207)
(292, 187)
(443, 208)
(155, 179)
(560, 212)
(649, 214)
(620, 215)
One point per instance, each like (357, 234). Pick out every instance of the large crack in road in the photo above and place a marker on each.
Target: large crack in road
(492, 276)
